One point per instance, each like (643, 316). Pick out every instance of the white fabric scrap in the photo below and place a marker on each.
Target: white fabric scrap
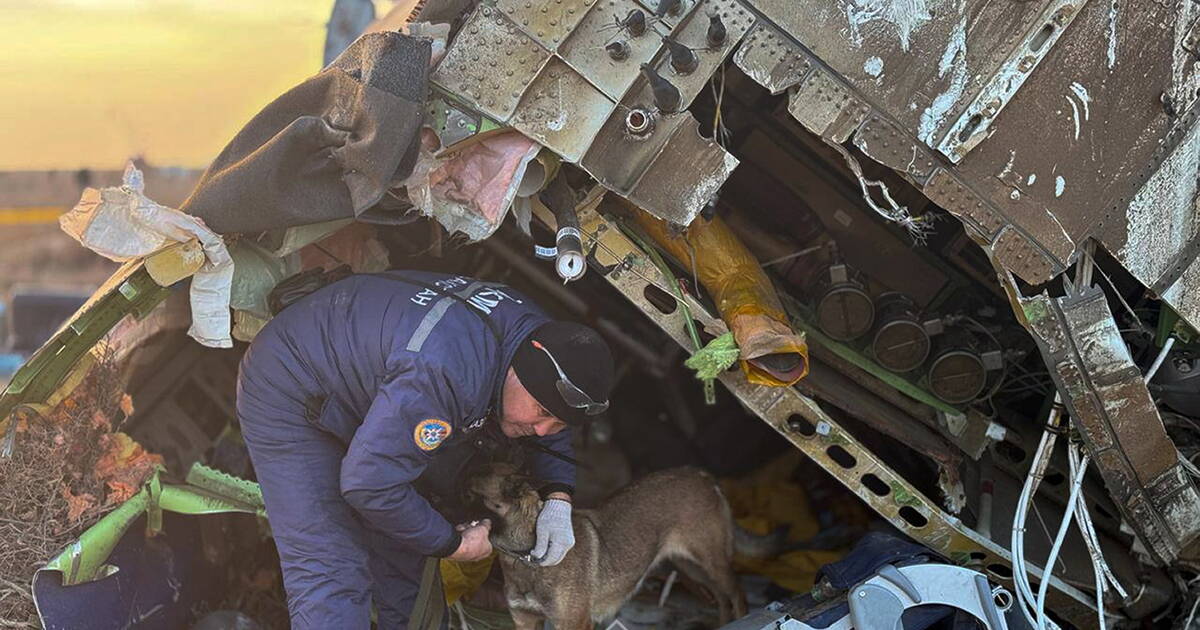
(121, 223)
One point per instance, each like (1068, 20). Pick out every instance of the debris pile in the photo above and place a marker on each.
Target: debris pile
(69, 465)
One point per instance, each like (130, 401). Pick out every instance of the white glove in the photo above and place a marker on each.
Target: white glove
(555, 537)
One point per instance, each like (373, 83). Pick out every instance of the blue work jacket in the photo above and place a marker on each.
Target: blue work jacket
(399, 370)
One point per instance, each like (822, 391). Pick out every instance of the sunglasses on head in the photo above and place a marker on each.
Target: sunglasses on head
(571, 394)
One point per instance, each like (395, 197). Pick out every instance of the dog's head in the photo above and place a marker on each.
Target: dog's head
(511, 496)
(502, 488)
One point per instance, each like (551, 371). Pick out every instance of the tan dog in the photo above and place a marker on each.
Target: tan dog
(677, 515)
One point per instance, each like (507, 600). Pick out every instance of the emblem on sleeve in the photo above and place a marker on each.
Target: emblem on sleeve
(430, 434)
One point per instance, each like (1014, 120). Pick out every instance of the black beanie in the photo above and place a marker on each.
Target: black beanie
(580, 352)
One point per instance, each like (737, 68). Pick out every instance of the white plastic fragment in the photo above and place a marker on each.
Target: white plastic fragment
(121, 223)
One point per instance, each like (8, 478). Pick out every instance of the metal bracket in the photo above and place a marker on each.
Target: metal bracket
(1109, 403)
(972, 126)
(807, 427)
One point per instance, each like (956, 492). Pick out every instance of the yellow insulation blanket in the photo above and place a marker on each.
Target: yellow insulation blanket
(744, 295)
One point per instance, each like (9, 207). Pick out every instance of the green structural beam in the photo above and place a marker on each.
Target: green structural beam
(207, 491)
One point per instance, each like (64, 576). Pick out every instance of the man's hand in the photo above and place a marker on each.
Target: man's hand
(475, 544)
(555, 536)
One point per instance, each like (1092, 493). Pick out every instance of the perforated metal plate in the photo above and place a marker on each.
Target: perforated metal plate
(547, 21)
(490, 63)
(771, 59)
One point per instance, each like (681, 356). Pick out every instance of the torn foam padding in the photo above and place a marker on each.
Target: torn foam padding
(121, 223)
(743, 293)
(328, 148)
(471, 189)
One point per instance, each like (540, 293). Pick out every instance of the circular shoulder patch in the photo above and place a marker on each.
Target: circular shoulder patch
(430, 433)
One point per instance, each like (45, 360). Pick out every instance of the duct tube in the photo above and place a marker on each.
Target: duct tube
(771, 352)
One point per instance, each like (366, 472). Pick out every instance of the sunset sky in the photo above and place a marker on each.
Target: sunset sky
(92, 82)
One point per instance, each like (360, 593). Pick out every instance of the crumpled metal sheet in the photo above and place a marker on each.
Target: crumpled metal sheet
(1055, 121)
(328, 148)
(1109, 403)
(771, 59)
(544, 70)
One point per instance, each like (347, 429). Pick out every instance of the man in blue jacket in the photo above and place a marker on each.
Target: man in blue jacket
(349, 394)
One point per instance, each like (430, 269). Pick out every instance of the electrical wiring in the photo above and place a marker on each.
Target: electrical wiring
(1068, 514)
(1037, 470)
(1103, 573)
(1158, 361)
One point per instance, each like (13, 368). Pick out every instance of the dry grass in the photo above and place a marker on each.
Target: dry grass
(49, 491)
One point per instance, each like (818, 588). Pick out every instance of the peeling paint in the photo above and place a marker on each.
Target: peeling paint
(1060, 185)
(1184, 81)
(873, 66)
(1161, 217)
(906, 16)
(1112, 33)
(1074, 115)
(1060, 226)
(1032, 178)
(1084, 98)
(953, 62)
(1012, 157)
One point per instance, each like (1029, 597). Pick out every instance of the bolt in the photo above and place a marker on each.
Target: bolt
(618, 50)
(635, 23)
(1027, 63)
(683, 60)
(716, 31)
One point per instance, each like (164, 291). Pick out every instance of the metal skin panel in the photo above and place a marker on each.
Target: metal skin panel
(1110, 405)
(562, 111)
(685, 176)
(1104, 125)
(618, 158)
(547, 21)
(885, 143)
(771, 59)
(692, 32)
(826, 107)
(920, 61)
(490, 64)
(494, 66)
(789, 412)
(584, 49)
(1087, 118)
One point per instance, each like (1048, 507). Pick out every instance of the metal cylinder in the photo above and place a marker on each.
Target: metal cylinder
(845, 310)
(957, 374)
(900, 343)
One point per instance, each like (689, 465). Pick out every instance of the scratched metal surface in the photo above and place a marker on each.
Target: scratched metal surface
(1109, 403)
(919, 61)
(1082, 148)
(1069, 152)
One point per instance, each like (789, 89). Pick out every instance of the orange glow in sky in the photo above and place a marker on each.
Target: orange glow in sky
(88, 83)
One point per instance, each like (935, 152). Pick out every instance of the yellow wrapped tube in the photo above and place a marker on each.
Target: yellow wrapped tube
(771, 353)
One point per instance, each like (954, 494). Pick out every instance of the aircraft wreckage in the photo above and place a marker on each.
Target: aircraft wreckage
(964, 227)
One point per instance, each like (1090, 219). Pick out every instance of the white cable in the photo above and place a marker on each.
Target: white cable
(1069, 512)
(1037, 470)
(1158, 361)
(895, 212)
(1100, 599)
(1020, 573)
